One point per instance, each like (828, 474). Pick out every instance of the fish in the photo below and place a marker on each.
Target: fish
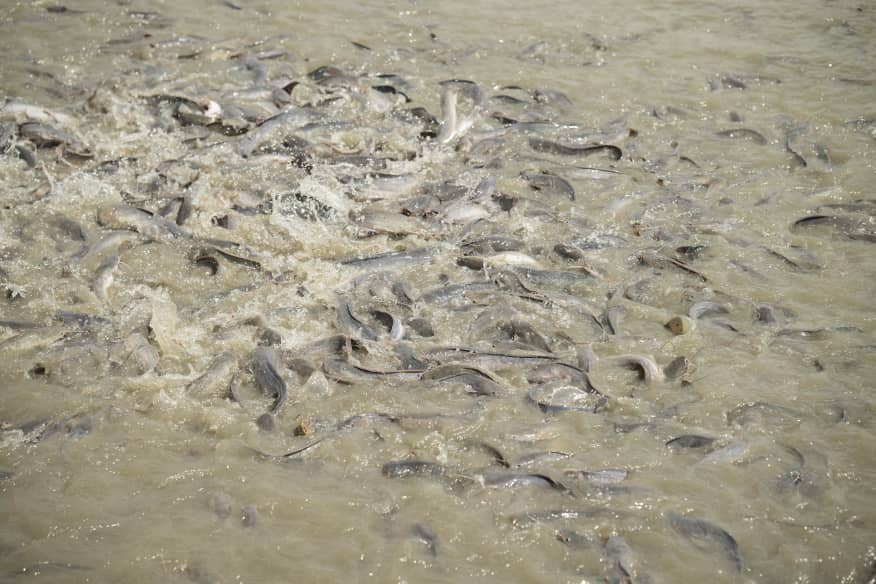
(704, 307)
(424, 534)
(744, 134)
(402, 469)
(550, 147)
(515, 480)
(690, 441)
(267, 376)
(387, 259)
(451, 125)
(103, 278)
(348, 320)
(731, 451)
(613, 317)
(151, 226)
(216, 379)
(529, 518)
(651, 373)
(622, 561)
(550, 183)
(276, 128)
(600, 477)
(705, 534)
(480, 381)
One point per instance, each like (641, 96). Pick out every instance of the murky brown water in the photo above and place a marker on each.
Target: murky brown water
(119, 461)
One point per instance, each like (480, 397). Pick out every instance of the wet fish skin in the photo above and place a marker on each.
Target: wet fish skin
(479, 385)
(401, 469)
(494, 452)
(529, 518)
(516, 480)
(622, 561)
(550, 183)
(216, 378)
(550, 147)
(613, 317)
(119, 216)
(702, 308)
(744, 134)
(759, 411)
(601, 477)
(651, 373)
(690, 441)
(348, 321)
(267, 376)
(450, 126)
(800, 477)
(676, 368)
(657, 260)
(104, 277)
(427, 536)
(701, 532)
(574, 539)
(393, 323)
(731, 451)
(391, 258)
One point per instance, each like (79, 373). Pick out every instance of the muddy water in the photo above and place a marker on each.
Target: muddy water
(118, 460)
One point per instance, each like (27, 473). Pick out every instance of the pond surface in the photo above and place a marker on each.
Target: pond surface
(437, 292)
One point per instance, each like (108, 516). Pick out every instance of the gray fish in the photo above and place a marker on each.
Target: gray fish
(613, 317)
(214, 382)
(657, 260)
(646, 365)
(553, 398)
(529, 518)
(344, 372)
(676, 368)
(552, 97)
(265, 422)
(601, 477)
(574, 539)
(689, 441)
(480, 382)
(514, 481)
(550, 147)
(44, 135)
(743, 134)
(393, 323)
(103, 278)
(133, 219)
(451, 125)
(547, 372)
(466, 88)
(492, 243)
(80, 320)
(550, 183)
(730, 452)
(586, 357)
(427, 536)
(704, 307)
(348, 321)
(761, 413)
(703, 534)
(276, 128)
(622, 562)
(539, 457)
(393, 258)
(443, 354)
(401, 469)
(800, 477)
(267, 376)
